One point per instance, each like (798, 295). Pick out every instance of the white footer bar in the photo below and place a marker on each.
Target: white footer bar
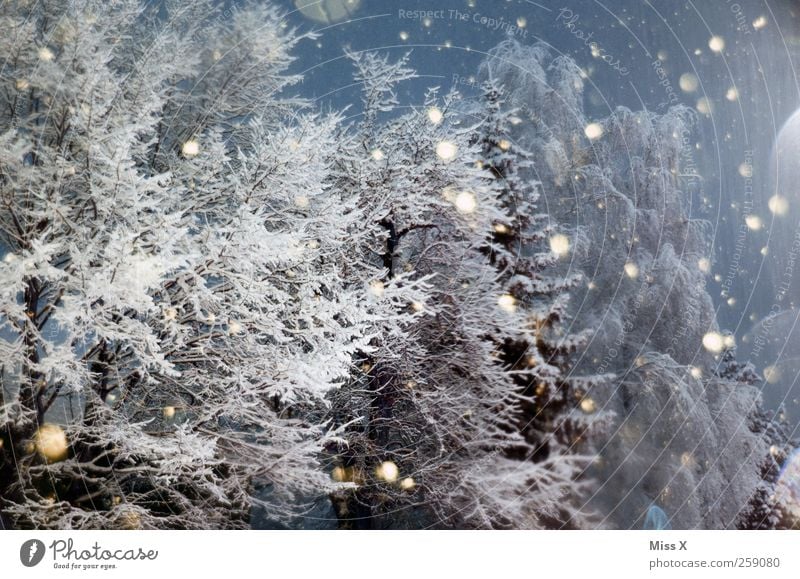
(401, 554)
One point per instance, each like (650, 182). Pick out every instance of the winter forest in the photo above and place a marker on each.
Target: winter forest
(226, 303)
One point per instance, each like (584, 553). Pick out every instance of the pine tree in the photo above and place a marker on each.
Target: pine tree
(617, 187)
(450, 434)
(557, 412)
(764, 510)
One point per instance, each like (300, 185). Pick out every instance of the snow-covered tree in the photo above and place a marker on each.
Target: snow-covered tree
(467, 418)
(681, 440)
(172, 304)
